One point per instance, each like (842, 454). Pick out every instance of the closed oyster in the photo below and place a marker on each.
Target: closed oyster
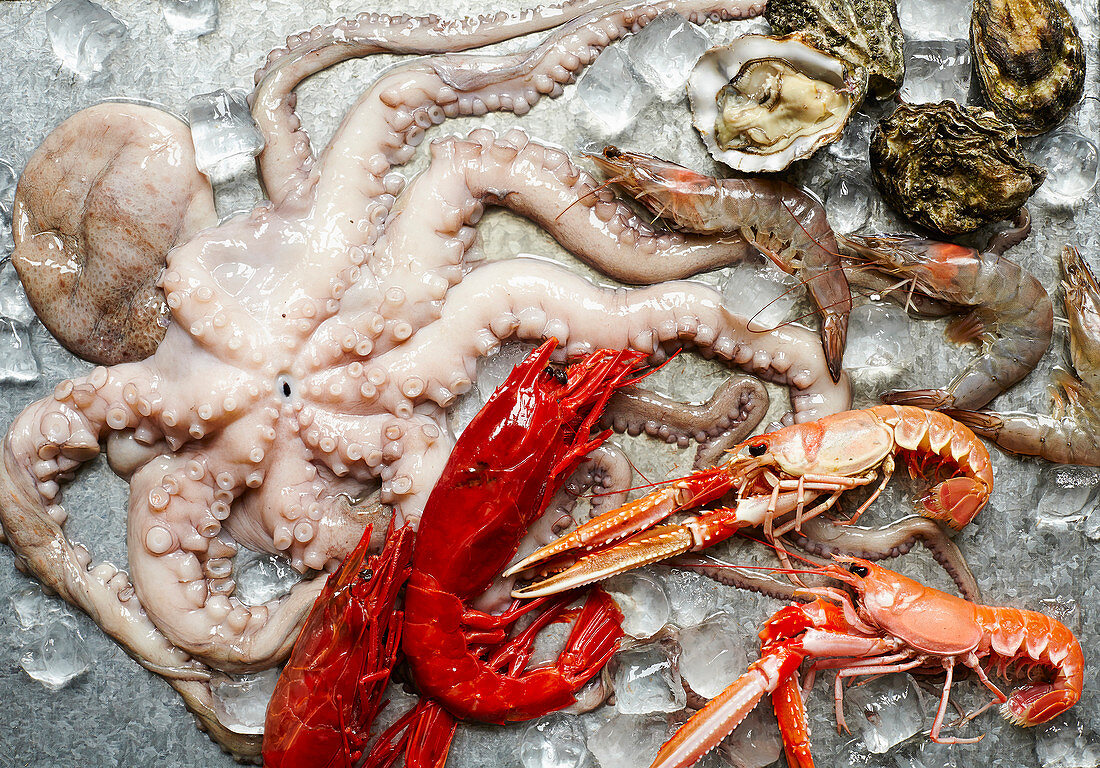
(1030, 61)
(865, 33)
(951, 168)
(761, 102)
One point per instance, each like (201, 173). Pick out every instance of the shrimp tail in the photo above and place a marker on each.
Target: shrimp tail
(929, 399)
(834, 336)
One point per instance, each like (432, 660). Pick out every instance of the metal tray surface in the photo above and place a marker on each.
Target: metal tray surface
(1028, 548)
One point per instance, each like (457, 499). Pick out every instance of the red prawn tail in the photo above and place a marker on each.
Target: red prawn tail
(423, 735)
(331, 688)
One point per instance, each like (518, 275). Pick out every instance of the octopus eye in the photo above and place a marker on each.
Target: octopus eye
(860, 570)
(758, 449)
(558, 374)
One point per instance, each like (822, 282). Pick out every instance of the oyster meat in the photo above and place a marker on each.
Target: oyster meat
(865, 33)
(761, 102)
(1030, 61)
(951, 168)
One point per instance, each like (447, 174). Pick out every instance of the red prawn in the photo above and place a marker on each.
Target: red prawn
(530, 436)
(511, 459)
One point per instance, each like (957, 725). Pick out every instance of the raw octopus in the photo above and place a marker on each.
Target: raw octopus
(315, 342)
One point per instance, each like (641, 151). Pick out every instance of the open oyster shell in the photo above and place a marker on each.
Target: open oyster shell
(951, 168)
(865, 33)
(760, 103)
(1030, 61)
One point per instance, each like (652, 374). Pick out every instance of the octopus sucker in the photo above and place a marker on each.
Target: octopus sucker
(322, 377)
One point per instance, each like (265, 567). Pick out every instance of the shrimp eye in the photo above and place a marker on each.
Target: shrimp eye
(758, 449)
(558, 374)
(611, 152)
(860, 570)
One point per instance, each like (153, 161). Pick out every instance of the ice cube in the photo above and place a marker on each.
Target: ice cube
(464, 410)
(645, 681)
(934, 19)
(240, 701)
(612, 91)
(849, 202)
(665, 51)
(493, 370)
(885, 711)
(762, 293)
(8, 181)
(691, 596)
(262, 577)
(83, 35)
(7, 243)
(712, 655)
(190, 18)
(17, 362)
(554, 741)
(924, 753)
(33, 608)
(14, 305)
(643, 602)
(57, 657)
(628, 741)
(854, 144)
(223, 132)
(936, 70)
(1071, 162)
(1066, 743)
(1065, 495)
(878, 341)
(756, 742)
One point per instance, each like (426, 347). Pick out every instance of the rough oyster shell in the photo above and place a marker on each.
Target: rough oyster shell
(740, 109)
(865, 33)
(1030, 61)
(951, 168)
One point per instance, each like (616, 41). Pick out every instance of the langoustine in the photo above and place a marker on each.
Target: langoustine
(894, 624)
(777, 478)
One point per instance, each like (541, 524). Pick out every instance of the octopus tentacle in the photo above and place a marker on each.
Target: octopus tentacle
(48, 441)
(287, 156)
(532, 300)
(824, 537)
(388, 121)
(725, 419)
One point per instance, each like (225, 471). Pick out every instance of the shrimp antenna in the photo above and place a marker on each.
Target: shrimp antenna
(807, 232)
(590, 193)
